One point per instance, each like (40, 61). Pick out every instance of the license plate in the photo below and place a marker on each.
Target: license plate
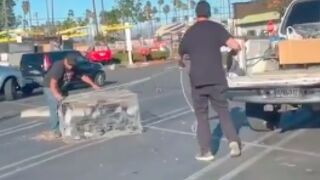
(288, 92)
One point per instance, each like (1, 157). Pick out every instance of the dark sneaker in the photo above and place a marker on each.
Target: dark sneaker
(235, 149)
(205, 157)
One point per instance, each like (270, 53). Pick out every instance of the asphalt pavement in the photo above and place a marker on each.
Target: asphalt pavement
(166, 148)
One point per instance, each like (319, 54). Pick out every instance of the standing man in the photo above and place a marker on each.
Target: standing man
(202, 43)
(56, 83)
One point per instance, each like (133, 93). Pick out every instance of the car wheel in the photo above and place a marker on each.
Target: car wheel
(100, 79)
(10, 89)
(260, 120)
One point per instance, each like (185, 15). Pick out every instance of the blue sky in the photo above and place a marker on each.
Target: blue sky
(79, 6)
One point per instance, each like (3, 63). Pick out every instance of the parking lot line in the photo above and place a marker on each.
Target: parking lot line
(230, 175)
(197, 175)
(21, 104)
(21, 129)
(246, 143)
(18, 126)
(50, 155)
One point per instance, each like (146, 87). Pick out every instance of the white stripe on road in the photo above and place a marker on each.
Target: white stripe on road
(165, 114)
(54, 156)
(20, 129)
(18, 126)
(197, 175)
(307, 153)
(230, 175)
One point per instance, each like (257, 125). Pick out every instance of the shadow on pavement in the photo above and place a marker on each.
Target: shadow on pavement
(303, 118)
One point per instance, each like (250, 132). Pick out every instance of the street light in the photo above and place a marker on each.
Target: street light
(95, 15)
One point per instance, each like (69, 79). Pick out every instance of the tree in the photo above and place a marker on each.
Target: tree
(130, 10)
(19, 20)
(81, 22)
(160, 4)
(10, 17)
(26, 10)
(166, 11)
(111, 17)
(154, 10)
(148, 10)
(193, 5)
(70, 13)
(278, 5)
(88, 16)
(70, 21)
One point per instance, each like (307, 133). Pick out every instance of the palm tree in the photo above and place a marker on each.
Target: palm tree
(193, 6)
(26, 9)
(88, 15)
(70, 13)
(148, 11)
(166, 11)
(175, 7)
(160, 4)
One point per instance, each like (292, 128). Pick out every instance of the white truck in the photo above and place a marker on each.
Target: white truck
(264, 84)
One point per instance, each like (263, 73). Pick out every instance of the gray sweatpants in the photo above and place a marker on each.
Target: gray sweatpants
(201, 97)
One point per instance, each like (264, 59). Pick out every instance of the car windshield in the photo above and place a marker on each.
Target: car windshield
(81, 59)
(303, 13)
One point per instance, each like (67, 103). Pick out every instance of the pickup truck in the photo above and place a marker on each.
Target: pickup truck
(265, 86)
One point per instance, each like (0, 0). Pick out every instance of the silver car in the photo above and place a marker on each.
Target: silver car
(11, 81)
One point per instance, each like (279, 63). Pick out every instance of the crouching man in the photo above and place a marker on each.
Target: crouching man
(56, 83)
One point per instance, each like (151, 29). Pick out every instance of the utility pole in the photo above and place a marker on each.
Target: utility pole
(103, 19)
(52, 12)
(30, 15)
(37, 18)
(95, 16)
(48, 13)
(229, 8)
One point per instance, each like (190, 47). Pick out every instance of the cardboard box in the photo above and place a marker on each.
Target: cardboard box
(305, 51)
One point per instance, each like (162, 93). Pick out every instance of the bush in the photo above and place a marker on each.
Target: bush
(157, 55)
(122, 56)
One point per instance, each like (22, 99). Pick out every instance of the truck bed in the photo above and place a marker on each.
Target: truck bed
(280, 78)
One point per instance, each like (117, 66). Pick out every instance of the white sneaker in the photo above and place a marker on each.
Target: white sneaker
(235, 149)
(205, 157)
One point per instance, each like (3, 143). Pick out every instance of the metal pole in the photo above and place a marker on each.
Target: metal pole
(229, 8)
(30, 15)
(52, 12)
(103, 19)
(48, 13)
(95, 15)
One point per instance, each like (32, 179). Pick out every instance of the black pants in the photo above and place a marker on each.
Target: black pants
(201, 97)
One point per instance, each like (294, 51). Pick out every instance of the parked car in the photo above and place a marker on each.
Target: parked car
(34, 66)
(99, 54)
(11, 81)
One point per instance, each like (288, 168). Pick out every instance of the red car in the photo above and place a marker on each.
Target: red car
(99, 54)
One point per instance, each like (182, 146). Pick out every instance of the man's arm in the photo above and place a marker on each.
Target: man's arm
(182, 51)
(89, 81)
(55, 90)
(234, 45)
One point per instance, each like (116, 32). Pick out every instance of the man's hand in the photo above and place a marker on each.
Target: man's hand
(89, 81)
(96, 87)
(59, 97)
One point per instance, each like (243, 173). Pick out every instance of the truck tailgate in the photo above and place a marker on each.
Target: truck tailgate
(276, 79)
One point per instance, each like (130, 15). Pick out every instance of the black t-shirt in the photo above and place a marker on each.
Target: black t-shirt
(62, 75)
(202, 42)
